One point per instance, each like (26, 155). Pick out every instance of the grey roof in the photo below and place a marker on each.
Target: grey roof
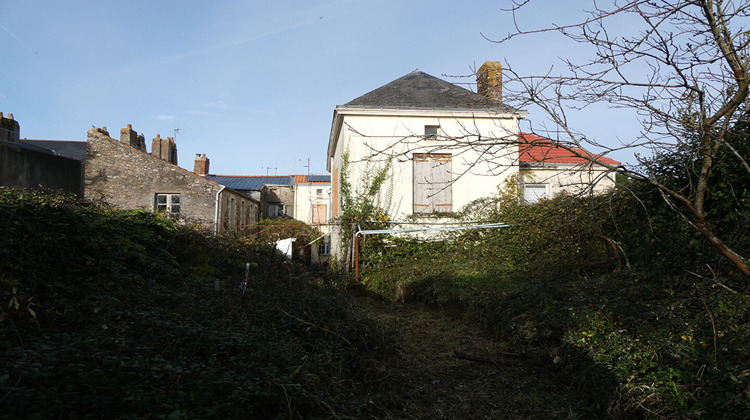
(68, 148)
(250, 182)
(419, 90)
(318, 178)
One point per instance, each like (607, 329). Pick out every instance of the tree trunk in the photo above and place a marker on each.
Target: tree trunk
(717, 243)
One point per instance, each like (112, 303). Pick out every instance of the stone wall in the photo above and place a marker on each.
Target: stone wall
(129, 178)
(275, 195)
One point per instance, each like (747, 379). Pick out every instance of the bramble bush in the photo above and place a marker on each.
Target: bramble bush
(117, 313)
(613, 290)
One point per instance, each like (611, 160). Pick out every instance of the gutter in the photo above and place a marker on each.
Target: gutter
(216, 211)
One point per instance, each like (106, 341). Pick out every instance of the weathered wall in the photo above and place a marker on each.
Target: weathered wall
(278, 194)
(24, 168)
(128, 178)
(237, 210)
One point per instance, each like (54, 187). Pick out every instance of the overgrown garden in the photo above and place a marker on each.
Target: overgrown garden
(109, 313)
(615, 291)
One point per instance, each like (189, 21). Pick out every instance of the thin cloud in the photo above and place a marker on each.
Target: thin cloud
(206, 50)
(17, 38)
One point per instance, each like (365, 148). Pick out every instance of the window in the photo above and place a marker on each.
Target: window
(324, 248)
(319, 213)
(319, 191)
(432, 183)
(431, 132)
(168, 203)
(532, 193)
(276, 210)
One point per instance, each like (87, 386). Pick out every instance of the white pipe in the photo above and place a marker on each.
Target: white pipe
(216, 211)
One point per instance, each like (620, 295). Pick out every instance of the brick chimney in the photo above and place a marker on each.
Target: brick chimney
(132, 138)
(490, 80)
(10, 130)
(201, 164)
(164, 149)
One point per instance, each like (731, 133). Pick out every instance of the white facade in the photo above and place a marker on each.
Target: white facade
(372, 138)
(312, 204)
(571, 179)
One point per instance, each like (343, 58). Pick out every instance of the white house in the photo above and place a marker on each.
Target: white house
(446, 145)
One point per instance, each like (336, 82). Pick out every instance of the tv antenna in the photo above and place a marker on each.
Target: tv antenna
(177, 130)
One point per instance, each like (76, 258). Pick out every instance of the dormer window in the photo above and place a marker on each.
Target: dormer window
(431, 132)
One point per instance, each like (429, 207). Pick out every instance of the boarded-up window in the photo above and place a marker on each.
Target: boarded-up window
(319, 213)
(432, 183)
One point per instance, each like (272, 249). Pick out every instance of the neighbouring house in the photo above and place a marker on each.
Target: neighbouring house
(443, 146)
(547, 170)
(302, 197)
(124, 175)
(28, 164)
(274, 192)
(312, 196)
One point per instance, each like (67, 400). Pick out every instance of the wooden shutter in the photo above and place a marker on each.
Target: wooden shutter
(432, 183)
(442, 177)
(319, 213)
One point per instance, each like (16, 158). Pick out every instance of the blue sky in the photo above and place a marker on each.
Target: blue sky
(252, 84)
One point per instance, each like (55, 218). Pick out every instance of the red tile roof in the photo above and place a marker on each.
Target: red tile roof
(535, 149)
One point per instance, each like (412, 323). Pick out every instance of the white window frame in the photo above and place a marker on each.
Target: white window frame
(324, 248)
(528, 199)
(171, 204)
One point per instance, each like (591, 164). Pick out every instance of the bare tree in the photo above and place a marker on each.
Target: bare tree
(680, 65)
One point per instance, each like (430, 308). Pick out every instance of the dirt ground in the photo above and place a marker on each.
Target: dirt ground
(436, 384)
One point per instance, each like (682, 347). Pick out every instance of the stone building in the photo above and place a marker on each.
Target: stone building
(125, 176)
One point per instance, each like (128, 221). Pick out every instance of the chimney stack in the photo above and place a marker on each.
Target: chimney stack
(164, 149)
(201, 164)
(490, 80)
(10, 130)
(132, 138)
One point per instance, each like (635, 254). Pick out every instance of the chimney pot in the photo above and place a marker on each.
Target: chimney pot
(10, 116)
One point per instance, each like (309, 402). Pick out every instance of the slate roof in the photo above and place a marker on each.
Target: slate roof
(256, 182)
(535, 149)
(419, 90)
(250, 182)
(68, 148)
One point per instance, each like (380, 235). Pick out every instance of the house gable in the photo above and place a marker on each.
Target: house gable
(127, 177)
